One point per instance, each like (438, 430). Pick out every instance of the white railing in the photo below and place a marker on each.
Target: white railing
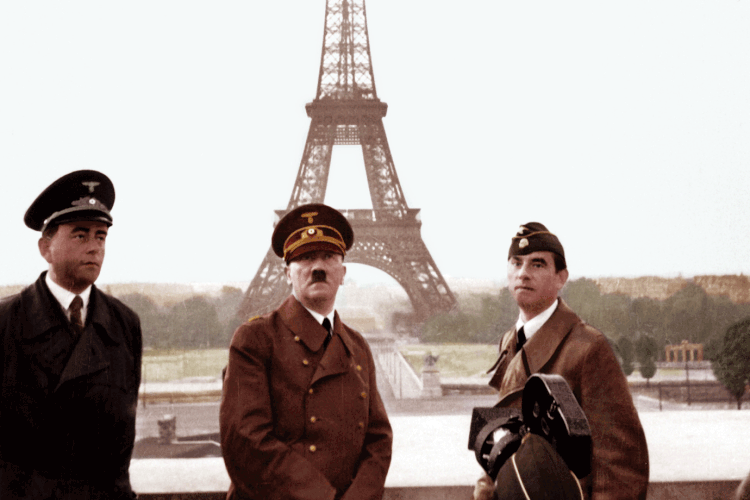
(405, 384)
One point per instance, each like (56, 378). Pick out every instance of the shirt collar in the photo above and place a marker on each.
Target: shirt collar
(65, 297)
(534, 324)
(318, 317)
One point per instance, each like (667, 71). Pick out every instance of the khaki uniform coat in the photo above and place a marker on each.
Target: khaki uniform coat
(300, 420)
(567, 346)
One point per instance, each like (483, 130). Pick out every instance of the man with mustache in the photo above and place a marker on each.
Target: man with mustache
(70, 357)
(301, 417)
(550, 338)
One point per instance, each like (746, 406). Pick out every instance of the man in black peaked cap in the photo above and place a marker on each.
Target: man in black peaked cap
(70, 358)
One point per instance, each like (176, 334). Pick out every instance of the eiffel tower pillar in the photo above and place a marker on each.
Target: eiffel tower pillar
(347, 111)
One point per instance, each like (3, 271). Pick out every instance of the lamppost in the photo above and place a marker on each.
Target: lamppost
(687, 372)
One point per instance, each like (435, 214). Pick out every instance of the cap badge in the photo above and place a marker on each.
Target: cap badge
(521, 230)
(88, 200)
(309, 216)
(91, 185)
(523, 243)
(311, 231)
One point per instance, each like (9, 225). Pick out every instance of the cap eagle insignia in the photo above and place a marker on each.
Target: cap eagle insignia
(309, 216)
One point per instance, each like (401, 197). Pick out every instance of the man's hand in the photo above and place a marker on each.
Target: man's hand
(484, 489)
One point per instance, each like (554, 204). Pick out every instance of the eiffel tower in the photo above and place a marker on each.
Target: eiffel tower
(347, 111)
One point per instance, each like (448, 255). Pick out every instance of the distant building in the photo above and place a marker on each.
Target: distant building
(685, 351)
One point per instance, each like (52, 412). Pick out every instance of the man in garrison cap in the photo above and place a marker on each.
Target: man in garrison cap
(70, 357)
(301, 417)
(550, 338)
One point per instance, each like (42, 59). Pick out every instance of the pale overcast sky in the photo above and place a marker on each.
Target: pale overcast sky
(622, 125)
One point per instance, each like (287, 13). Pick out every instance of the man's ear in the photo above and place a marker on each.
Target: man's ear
(44, 247)
(563, 275)
(343, 275)
(286, 272)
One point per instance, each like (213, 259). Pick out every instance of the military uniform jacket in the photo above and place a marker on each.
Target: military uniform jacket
(300, 420)
(566, 346)
(67, 413)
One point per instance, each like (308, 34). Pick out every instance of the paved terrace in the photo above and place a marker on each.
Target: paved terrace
(696, 452)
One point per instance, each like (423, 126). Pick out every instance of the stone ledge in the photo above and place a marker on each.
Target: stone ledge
(685, 490)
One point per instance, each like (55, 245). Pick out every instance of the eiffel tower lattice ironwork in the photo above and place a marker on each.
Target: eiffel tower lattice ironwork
(347, 111)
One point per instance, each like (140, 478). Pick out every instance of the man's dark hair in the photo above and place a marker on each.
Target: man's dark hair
(559, 263)
(50, 231)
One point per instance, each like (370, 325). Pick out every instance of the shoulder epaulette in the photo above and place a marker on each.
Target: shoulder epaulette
(253, 318)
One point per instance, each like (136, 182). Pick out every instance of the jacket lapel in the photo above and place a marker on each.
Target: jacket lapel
(514, 376)
(536, 352)
(90, 354)
(544, 343)
(46, 340)
(501, 364)
(337, 355)
(44, 308)
(335, 359)
(302, 324)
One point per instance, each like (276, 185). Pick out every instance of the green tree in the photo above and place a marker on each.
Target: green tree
(646, 316)
(647, 369)
(615, 315)
(646, 352)
(227, 303)
(584, 297)
(195, 323)
(494, 318)
(455, 327)
(627, 354)
(688, 315)
(152, 319)
(732, 363)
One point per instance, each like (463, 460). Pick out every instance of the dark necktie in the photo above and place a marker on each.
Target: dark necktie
(327, 326)
(75, 314)
(521, 339)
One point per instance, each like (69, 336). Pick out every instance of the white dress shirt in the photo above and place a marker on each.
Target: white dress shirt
(65, 297)
(534, 324)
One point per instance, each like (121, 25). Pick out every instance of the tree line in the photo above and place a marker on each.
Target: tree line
(638, 328)
(201, 321)
(690, 314)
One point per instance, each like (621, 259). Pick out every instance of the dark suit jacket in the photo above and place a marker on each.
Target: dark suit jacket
(299, 420)
(67, 412)
(567, 346)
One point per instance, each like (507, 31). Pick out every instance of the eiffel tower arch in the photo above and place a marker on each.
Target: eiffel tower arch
(347, 111)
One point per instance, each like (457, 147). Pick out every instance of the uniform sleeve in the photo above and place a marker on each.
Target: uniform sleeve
(369, 482)
(620, 467)
(122, 483)
(260, 465)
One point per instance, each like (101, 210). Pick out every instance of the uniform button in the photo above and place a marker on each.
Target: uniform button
(363, 395)
(359, 368)
(296, 338)
(310, 390)
(305, 362)
(312, 448)
(361, 425)
(313, 419)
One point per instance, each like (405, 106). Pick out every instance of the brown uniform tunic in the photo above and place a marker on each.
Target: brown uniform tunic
(300, 420)
(567, 346)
